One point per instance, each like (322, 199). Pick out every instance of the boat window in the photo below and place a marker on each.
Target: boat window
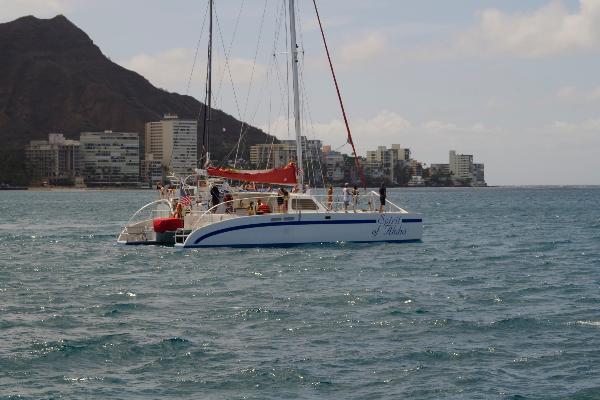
(304, 204)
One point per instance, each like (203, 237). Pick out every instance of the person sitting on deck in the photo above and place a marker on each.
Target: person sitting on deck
(228, 200)
(251, 208)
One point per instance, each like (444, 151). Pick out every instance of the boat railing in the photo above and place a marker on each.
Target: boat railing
(155, 209)
(364, 202)
(232, 209)
(247, 206)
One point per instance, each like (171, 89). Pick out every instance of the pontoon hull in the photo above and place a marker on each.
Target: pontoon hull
(305, 228)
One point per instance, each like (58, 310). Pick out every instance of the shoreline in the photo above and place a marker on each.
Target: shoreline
(121, 189)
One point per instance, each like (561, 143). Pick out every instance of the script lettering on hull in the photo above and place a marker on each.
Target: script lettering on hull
(389, 225)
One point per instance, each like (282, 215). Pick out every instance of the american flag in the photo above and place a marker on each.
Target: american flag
(184, 198)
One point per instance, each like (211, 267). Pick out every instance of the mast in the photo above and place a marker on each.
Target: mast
(294, 55)
(208, 98)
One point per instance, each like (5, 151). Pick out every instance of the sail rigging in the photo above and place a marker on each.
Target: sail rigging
(339, 95)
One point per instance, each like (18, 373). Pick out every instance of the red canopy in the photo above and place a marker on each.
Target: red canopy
(285, 175)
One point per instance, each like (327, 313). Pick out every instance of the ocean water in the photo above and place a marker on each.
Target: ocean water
(501, 299)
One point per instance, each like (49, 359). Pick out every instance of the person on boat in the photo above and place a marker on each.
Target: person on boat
(215, 195)
(251, 208)
(330, 198)
(178, 210)
(355, 194)
(382, 195)
(279, 200)
(346, 197)
(286, 197)
(228, 200)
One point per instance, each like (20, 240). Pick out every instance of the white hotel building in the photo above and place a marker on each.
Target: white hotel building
(174, 142)
(110, 158)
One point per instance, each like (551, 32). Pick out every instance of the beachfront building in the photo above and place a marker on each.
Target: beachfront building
(461, 166)
(151, 171)
(276, 155)
(55, 161)
(333, 164)
(110, 158)
(439, 169)
(479, 175)
(383, 163)
(174, 142)
(464, 170)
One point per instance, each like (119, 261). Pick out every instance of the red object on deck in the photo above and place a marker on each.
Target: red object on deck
(263, 209)
(285, 175)
(167, 224)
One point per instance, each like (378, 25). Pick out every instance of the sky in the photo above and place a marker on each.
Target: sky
(513, 82)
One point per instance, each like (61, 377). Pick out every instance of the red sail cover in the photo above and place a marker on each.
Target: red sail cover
(285, 175)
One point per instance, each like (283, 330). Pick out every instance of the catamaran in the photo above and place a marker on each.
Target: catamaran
(247, 217)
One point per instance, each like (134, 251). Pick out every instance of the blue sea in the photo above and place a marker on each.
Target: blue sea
(500, 300)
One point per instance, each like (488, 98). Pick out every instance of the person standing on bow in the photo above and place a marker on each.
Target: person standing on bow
(330, 198)
(346, 197)
(382, 195)
(355, 194)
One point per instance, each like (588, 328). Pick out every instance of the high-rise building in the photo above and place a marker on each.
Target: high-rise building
(382, 163)
(56, 160)
(174, 142)
(461, 166)
(439, 169)
(277, 155)
(110, 158)
(280, 154)
(333, 164)
(479, 175)
(151, 171)
(274, 155)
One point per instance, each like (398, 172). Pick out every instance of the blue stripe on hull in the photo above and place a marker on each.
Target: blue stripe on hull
(249, 226)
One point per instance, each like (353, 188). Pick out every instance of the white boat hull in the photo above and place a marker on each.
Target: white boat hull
(306, 228)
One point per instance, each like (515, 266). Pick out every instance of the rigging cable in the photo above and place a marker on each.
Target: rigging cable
(243, 116)
(187, 90)
(228, 52)
(337, 88)
(306, 106)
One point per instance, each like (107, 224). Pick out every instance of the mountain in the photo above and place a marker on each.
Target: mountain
(53, 78)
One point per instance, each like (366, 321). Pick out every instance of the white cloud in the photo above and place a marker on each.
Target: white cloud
(364, 49)
(549, 30)
(170, 69)
(12, 9)
(329, 22)
(572, 94)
